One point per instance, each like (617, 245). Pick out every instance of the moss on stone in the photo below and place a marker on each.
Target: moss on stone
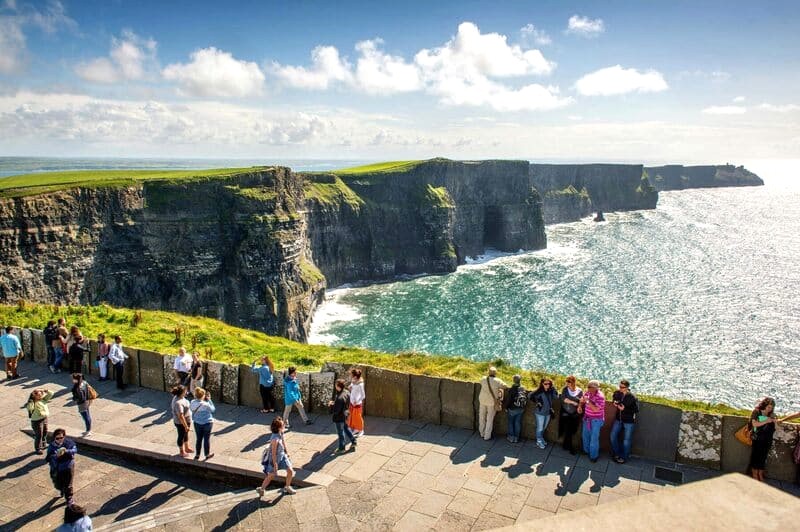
(570, 190)
(309, 272)
(332, 193)
(439, 197)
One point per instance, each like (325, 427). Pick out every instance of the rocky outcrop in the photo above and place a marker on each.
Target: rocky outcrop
(679, 177)
(572, 191)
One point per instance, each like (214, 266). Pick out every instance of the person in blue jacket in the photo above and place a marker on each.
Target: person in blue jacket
(543, 397)
(61, 458)
(291, 397)
(266, 381)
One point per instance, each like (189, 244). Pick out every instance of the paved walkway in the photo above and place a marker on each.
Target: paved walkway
(405, 475)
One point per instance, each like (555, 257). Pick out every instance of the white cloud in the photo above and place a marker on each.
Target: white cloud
(531, 35)
(13, 20)
(380, 73)
(783, 108)
(215, 73)
(130, 58)
(617, 80)
(584, 26)
(725, 110)
(739, 99)
(12, 45)
(327, 68)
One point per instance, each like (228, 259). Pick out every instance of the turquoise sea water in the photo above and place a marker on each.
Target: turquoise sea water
(696, 299)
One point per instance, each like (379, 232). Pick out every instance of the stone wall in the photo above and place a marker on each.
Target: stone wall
(662, 432)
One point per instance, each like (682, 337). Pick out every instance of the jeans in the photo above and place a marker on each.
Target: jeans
(342, 429)
(541, 424)
(51, 355)
(59, 357)
(203, 437)
(515, 422)
(87, 419)
(119, 368)
(591, 437)
(625, 450)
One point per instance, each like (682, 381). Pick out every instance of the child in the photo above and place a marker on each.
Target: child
(276, 457)
(38, 413)
(356, 419)
(61, 457)
(103, 348)
(291, 396)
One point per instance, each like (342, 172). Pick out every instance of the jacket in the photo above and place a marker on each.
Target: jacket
(265, 377)
(80, 392)
(340, 407)
(38, 410)
(116, 354)
(291, 391)
(543, 399)
(66, 460)
(631, 404)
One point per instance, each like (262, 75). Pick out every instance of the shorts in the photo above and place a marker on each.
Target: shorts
(283, 463)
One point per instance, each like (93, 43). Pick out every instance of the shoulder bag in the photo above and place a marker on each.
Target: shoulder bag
(498, 406)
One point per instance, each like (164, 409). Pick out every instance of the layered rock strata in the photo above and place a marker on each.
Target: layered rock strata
(679, 177)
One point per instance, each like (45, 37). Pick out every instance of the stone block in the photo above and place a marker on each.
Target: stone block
(304, 382)
(249, 393)
(321, 391)
(151, 370)
(341, 370)
(168, 370)
(131, 371)
(425, 401)
(458, 409)
(735, 455)
(230, 384)
(91, 358)
(700, 440)
(26, 338)
(656, 434)
(39, 346)
(780, 465)
(213, 380)
(277, 391)
(387, 393)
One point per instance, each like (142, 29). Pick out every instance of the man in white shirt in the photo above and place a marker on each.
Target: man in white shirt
(183, 365)
(491, 395)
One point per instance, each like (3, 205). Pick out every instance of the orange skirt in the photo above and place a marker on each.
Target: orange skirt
(356, 419)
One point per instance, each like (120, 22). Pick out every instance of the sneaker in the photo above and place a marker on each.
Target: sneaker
(40, 451)
(510, 439)
(619, 460)
(53, 370)
(87, 433)
(352, 447)
(288, 490)
(339, 450)
(260, 491)
(309, 421)
(541, 445)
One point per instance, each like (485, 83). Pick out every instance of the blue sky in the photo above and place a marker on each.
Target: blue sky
(551, 80)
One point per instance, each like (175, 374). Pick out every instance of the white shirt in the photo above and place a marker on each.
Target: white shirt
(116, 354)
(357, 394)
(486, 397)
(183, 363)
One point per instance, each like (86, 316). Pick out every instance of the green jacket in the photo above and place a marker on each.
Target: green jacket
(38, 409)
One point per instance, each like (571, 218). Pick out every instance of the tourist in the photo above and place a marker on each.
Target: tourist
(117, 356)
(182, 367)
(50, 336)
(202, 408)
(357, 395)
(60, 344)
(796, 453)
(75, 520)
(38, 412)
(12, 352)
(276, 457)
(762, 423)
(266, 382)
(291, 397)
(543, 398)
(490, 402)
(74, 332)
(627, 408)
(339, 410)
(196, 374)
(61, 458)
(514, 402)
(593, 407)
(83, 394)
(570, 418)
(182, 418)
(77, 348)
(103, 347)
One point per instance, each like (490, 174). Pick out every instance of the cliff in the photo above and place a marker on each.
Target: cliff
(572, 191)
(679, 177)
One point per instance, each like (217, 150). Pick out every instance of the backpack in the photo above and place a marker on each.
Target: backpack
(91, 393)
(521, 399)
(50, 335)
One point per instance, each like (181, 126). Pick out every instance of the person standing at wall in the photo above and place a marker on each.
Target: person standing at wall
(627, 410)
(12, 352)
(60, 344)
(570, 418)
(83, 395)
(490, 402)
(202, 408)
(339, 412)
(182, 367)
(61, 458)
(266, 383)
(357, 395)
(38, 412)
(762, 423)
(543, 397)
(593, 407)
(77, 349)
(291, 397)
(50, 335)
(196, 379)
(103, 347)
(182, 419)
(514, 402)
(117, 356)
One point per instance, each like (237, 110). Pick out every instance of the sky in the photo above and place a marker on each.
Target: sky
(628, 81)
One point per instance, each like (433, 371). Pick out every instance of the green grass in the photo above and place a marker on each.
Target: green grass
(568, 191)
(334, 193)
(385, 167)
(29, 184)
(156, 332)
(438, 196)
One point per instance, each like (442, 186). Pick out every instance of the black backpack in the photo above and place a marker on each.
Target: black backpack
(50, 334)
(521, 399)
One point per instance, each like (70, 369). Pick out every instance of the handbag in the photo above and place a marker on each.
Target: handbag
(498, 406)
(745, 435)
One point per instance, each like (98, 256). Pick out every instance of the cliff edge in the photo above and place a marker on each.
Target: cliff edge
(679, 177)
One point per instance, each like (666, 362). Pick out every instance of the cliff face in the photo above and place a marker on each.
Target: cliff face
(572, 191)
(232, 249)
(679, 177)
(426, 219)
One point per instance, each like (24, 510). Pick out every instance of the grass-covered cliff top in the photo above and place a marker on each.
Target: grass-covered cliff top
(156, 331)
(384, 167)
(29, 184)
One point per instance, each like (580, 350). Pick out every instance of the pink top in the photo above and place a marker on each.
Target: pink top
(598, 400)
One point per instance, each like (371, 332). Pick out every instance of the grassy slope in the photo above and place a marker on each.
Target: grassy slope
(389, 166)
(156, 332)
(28, 184)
